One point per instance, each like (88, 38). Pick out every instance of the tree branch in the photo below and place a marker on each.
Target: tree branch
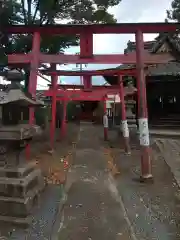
(35, 12)
(24, 11)
(50, 15)
(43, 18)
(29, 2)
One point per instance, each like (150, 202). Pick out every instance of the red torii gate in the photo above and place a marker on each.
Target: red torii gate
(85, 92)
(86, 32)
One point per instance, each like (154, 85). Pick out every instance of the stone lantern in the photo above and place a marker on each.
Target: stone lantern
(20, 180)
(130, 104)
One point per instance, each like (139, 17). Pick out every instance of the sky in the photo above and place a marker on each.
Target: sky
(127, 11)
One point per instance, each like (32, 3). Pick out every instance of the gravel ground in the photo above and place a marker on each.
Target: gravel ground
(154, 210)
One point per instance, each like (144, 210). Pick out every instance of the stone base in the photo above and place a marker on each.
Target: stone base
(19, 192)
(23, 222)
(17, 172)
(149, 180)
(144, 180)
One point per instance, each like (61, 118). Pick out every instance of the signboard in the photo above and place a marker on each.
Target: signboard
(81, 96)
(113, 98)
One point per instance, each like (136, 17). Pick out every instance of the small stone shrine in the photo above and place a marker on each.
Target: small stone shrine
(20, 180)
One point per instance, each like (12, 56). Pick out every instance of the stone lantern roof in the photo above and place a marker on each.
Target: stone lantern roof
(14, 92)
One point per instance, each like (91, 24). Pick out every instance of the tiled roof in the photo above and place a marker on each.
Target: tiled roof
(168, 69)
(173, 41)
(131, 46)
(171, 68)
(153, 46)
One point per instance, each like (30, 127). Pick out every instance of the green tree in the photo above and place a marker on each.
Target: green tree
(174, 12)
(45, 12)
(10, 13)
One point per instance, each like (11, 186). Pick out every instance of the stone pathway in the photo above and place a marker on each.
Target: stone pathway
(93, 210)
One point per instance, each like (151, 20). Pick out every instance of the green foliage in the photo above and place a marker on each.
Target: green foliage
(174, 12)
(45, 12)
(71, 110)
(40, 115)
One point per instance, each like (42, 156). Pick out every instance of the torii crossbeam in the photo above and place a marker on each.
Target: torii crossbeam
(107, 72)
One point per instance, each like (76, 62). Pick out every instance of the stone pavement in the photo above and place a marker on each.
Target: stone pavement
(93, 209)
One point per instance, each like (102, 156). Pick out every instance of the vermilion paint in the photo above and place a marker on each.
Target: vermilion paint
(140, 57)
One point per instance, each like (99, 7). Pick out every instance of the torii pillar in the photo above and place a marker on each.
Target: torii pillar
(64, 121)
(105, 120)
(124, 124)
(33, 78)
(86, 51)
(87, 82)
(146, 164)
(54, 81)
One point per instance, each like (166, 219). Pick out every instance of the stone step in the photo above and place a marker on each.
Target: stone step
(17, 172)
(20, 207)
(23, 222)
(164, 126)
(18, 187)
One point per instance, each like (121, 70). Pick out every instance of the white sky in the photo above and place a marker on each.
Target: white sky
(126, 11)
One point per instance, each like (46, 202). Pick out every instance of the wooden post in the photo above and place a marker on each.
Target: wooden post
(33, 79)
(105, 122)
(87, 82)
(124, 124)
(64, 125)
(146, 164)
(86, 50)
(54, 80)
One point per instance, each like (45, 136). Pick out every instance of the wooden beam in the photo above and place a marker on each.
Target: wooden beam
(94, 87)
(121, 28)
(87, 95)
(125, 72)
(96, 59)
(19, 58)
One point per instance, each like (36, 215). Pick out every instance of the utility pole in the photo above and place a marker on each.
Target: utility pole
(80, 67)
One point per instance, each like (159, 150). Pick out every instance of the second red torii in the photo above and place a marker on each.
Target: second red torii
(96, 94)
(107, 72)
(72, 86)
